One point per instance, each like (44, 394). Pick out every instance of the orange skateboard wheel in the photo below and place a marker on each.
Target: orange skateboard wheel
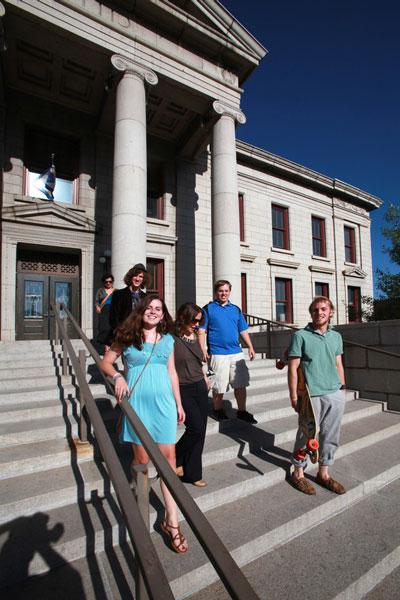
(299, 454)
(313, 444)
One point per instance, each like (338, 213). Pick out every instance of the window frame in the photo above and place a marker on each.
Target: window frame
(284, 210)
(322, 235)
(354, 304)
(243, 290)
(350, 254)
(38, 143)
(160, 211)
(75, 188)
(325, 287)
(288, 301)
(157, 286)
(242, 232)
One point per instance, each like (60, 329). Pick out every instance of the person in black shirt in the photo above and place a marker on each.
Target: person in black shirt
(124, 301)
(194, 387)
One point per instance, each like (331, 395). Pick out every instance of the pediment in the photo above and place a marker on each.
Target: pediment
(355, 272)
(218, 19)
(42, 213)
(207, 27)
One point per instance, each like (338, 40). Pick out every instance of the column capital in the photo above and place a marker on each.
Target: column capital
(225, 109)
(121, 63)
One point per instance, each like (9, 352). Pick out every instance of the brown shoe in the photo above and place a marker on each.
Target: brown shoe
(303, 485)
(200, 483)
(331, 485)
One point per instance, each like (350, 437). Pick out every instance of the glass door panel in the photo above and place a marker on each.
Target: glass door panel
(33, 299)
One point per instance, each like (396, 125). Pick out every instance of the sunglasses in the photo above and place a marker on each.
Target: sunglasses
(108, 281)
(196, 320)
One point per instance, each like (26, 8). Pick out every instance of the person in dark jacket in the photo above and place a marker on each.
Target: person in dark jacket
(125, 300)
(103, 307)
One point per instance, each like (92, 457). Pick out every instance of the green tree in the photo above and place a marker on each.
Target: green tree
(387, 306)
(389, 283)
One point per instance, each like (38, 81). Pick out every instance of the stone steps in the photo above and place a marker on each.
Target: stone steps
(268, 519)
(73, 543)
(43, 369)
(23, 495)
(34, 457)
(264, 467)
(49, 492)
(371, 552)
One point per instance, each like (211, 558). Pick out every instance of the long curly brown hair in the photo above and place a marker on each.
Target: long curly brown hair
(185, 317)
(135, 271)
(130, 332)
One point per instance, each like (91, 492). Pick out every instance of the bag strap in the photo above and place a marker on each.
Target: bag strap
(105, 298)
(141, 372)
(189, 348)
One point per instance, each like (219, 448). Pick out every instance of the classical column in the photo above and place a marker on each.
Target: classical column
(225, 206)
(129, 197)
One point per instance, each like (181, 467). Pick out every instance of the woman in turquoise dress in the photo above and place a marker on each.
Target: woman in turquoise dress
(145, 340)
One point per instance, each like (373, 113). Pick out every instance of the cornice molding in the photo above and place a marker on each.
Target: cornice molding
(246, 257)
(276, 262)
(321, 269)
(159, 238)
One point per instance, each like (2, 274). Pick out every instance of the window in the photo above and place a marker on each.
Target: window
(354, 304)
(283, 300)
(155, 205)
(38, 149)
(280, 227)
(322, 289)
(155, 191)
(155, 268)
(243, 281)
(241, 217)
(349, 245)
(318, 236)
(33, 299)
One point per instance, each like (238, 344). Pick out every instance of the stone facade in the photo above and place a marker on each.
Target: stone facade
(140, 107)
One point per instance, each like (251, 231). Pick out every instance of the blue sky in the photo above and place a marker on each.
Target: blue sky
(327, 95)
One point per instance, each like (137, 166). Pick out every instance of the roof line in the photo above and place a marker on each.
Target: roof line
(291, 168)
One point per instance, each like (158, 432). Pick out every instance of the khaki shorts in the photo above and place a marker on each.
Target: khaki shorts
(230, 370)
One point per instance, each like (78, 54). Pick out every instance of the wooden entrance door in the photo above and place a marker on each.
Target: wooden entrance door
(37, 289)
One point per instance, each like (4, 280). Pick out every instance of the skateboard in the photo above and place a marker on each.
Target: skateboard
(307, 422)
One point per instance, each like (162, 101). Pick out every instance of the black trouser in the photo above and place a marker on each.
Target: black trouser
(190, 446)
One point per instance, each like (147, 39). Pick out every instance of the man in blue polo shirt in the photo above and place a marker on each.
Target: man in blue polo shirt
(318, 350)
(224, 323)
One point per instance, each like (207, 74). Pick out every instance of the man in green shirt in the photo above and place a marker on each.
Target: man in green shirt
(318, 350)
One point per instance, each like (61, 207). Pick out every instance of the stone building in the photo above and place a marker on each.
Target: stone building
(139, 102)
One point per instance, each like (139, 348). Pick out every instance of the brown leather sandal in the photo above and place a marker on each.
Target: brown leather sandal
(166, 527)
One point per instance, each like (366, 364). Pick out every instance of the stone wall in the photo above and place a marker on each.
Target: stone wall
(374, 375)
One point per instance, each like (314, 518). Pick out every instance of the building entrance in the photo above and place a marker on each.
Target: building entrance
(44, 278)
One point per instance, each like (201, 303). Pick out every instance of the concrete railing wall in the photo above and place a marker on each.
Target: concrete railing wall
(375, 375)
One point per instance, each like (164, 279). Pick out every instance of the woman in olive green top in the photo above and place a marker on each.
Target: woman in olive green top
(194, 394)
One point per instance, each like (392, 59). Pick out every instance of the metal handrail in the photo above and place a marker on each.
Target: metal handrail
(150, 565)
(251, 320)
(229, 572)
